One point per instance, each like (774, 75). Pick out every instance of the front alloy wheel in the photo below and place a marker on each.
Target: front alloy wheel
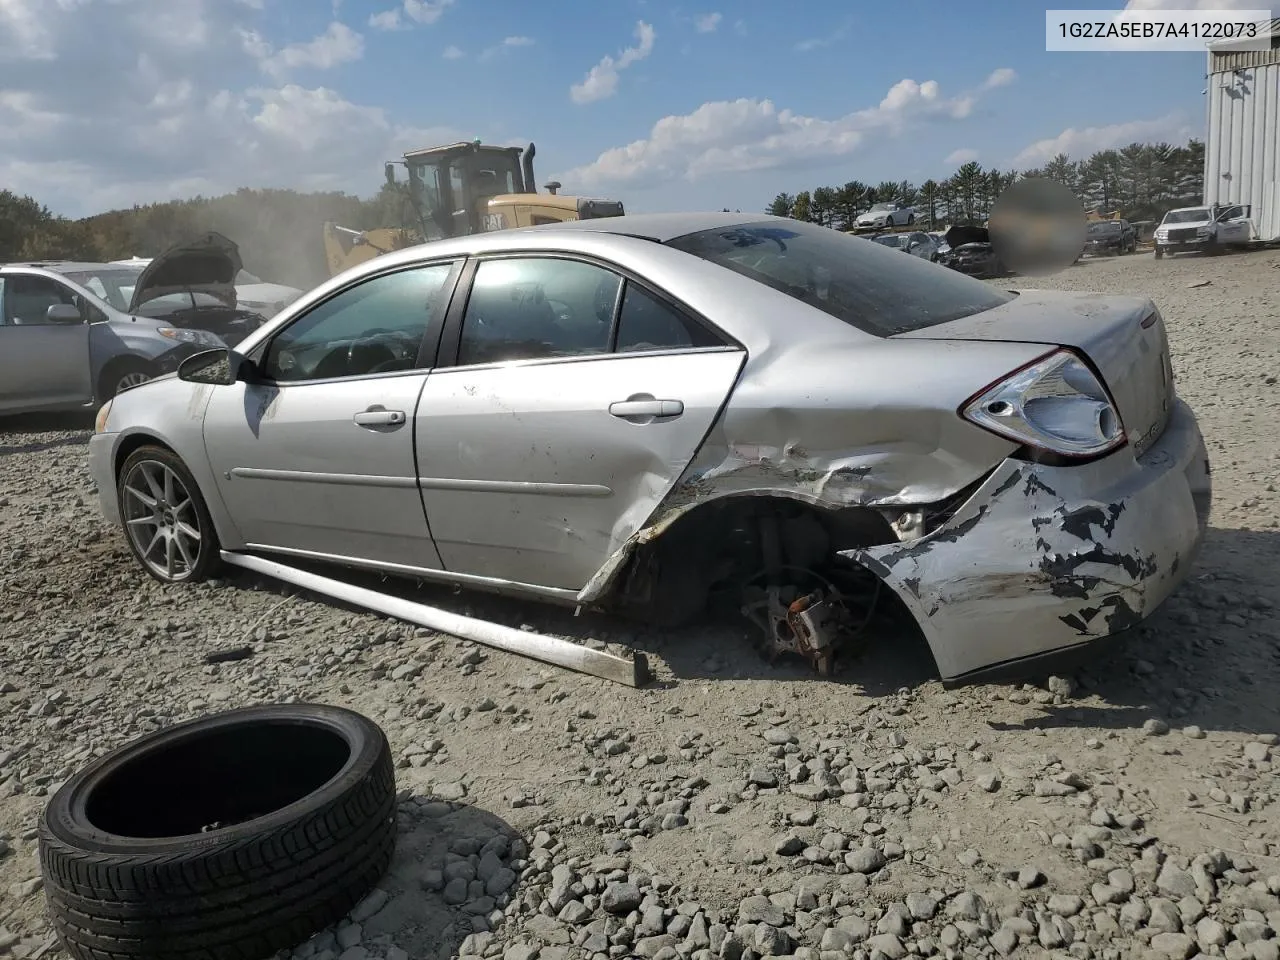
(165, 519)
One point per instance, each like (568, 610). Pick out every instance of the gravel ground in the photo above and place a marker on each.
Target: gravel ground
(733, 809)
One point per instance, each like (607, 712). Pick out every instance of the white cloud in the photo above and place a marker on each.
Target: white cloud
(708, 22)
(419, 11)
(1080, 143)
(735, 136)
(387, 20)
(601, 81)
(1000, 77)
(168, 114)
(338, 44)
(740, 27)
(817, 43)
(453, 53)
(508, 43)
(960, 157)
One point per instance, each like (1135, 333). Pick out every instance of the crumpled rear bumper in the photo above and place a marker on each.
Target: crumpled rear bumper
(1042, 559)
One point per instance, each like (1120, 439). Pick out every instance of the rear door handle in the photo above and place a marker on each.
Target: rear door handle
(646, 408)
(379, 418)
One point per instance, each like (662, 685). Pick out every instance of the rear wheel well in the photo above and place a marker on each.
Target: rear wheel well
(725, 544)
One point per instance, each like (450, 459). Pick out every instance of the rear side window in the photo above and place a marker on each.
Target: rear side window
(867, 285)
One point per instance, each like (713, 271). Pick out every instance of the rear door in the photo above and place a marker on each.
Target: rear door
(568, 401)
(42, 364)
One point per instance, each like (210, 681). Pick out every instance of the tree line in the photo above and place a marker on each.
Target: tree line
(280, 231)
(1142, 180)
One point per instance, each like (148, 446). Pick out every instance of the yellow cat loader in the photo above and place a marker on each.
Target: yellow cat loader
(460, 189)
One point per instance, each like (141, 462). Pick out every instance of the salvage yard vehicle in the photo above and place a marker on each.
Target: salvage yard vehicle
(73, 335)
(645, 413)
(252, 293)
(970, 250)
(891, 213)
(1110, 237)
(916, 244)
(1206, 230)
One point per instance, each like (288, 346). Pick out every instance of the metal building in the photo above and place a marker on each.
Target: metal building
(1242, 148)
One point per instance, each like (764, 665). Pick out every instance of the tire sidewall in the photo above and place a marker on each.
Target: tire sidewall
(64, 817)
(209, 544)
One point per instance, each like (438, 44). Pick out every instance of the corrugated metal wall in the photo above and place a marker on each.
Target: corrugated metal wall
(1242, 149)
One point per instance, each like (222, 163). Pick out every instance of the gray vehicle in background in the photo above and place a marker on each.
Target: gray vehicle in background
(73, 335)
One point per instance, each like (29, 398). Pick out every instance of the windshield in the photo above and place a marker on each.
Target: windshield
(862, 284)
(881, 206)
(1109, 227)
(112, 284)
(893, 240)
(1198, 215)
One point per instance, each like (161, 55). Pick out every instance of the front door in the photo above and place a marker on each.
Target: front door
(576, 401)
(43, 364)
(317, 457)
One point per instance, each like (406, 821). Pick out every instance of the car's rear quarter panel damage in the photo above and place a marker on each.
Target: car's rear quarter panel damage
(1041, 558)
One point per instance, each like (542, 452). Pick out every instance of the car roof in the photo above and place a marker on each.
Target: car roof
(661, 227)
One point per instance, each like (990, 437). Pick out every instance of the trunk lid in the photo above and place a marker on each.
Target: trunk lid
(206, 265)
(1108, 331)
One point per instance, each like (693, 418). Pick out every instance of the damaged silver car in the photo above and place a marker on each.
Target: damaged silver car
(660, 414)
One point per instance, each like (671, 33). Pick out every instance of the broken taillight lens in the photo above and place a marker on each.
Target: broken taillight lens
(1055, 404)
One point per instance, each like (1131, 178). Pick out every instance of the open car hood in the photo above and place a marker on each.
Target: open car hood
(208, 265)
(958, 236)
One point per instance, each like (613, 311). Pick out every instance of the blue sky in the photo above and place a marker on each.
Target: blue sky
(676, 106)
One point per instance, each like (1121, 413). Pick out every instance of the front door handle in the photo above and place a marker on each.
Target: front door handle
(379, 418)
(646, 408)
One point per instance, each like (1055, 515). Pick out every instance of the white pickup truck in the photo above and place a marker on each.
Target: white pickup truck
(1207, 229)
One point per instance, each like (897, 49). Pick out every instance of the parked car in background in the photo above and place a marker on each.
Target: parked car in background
(969, 250)
(917, 244)
(252, 293)
(73, 335)
(888, 214)
(1110, 238)
(643, 413)
(940, 238)
(1203, 229)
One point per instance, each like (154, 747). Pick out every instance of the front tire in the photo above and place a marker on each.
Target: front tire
(911, 218)
(222, 838)
(166, 521)
(1159, 252)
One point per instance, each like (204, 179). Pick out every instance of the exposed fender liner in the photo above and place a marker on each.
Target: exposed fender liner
(553, 650)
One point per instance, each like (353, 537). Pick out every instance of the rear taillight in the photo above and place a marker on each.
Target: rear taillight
(1054, 404)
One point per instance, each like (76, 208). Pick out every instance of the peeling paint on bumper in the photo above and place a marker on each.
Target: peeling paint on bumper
(101, 453)
(1043, 559)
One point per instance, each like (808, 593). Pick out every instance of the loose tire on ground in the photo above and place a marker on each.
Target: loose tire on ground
(137, 866)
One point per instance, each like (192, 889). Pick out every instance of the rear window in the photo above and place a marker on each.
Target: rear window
(867, 285)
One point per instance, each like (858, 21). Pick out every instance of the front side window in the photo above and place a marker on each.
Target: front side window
(522, 308)
(27, 299)
(862, 284)
(374, 327)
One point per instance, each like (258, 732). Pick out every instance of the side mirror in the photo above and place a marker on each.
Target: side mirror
(221, 367)
(63, 314)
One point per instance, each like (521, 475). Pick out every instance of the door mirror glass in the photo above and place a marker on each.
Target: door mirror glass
(209, 366)
(63, 313)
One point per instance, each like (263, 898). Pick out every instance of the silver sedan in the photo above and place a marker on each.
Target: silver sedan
(648, 413)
